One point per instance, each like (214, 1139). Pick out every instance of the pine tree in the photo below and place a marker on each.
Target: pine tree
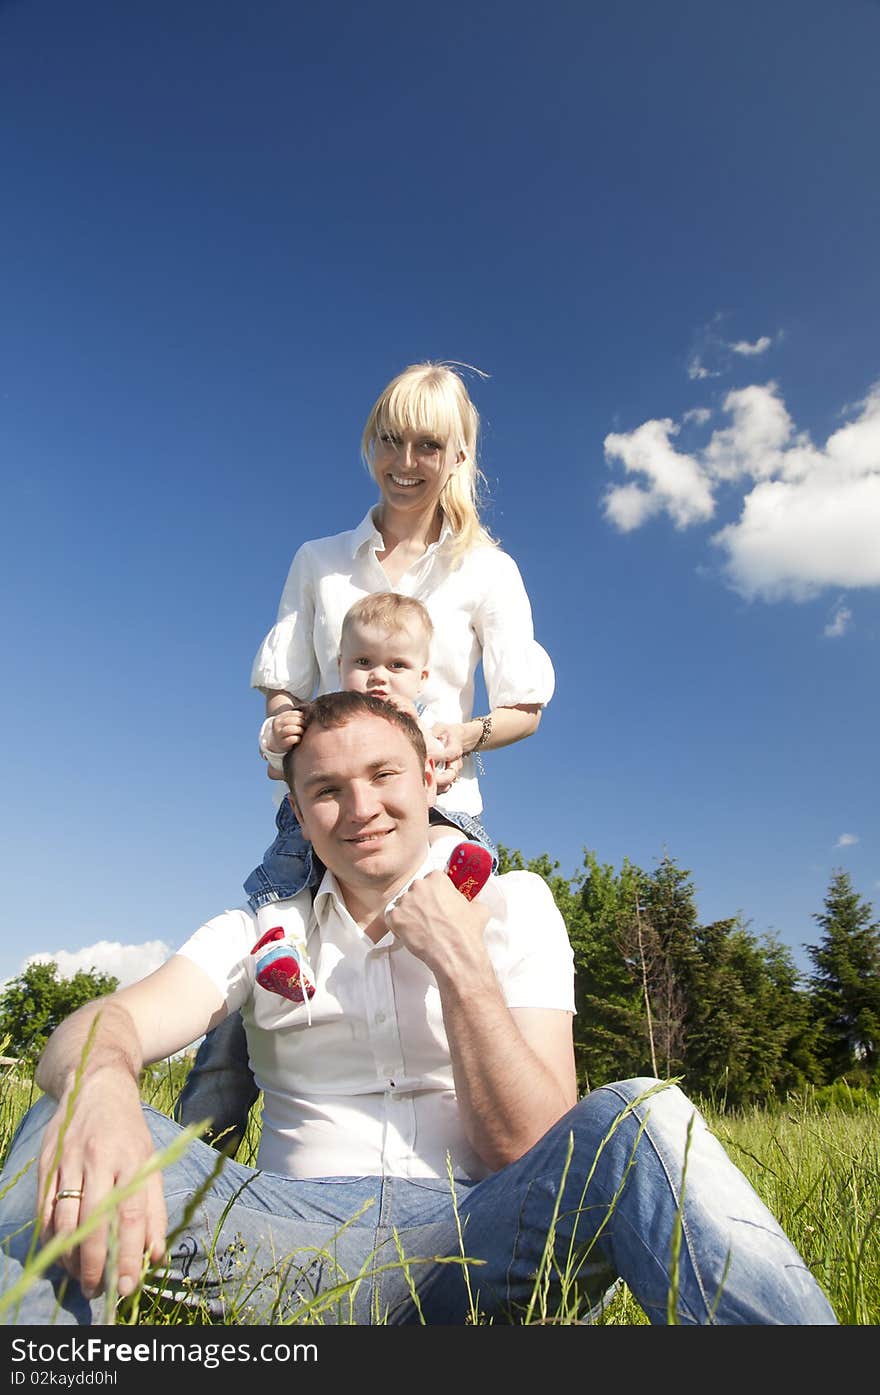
(659, 994)
(845, 984)
(748, 1020)
(597, 905)
(613, 1026)
(669, 906)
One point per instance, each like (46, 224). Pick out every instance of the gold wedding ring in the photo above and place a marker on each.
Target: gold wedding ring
(68, 1191)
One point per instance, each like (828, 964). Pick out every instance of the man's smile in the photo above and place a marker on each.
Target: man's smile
(375, 836)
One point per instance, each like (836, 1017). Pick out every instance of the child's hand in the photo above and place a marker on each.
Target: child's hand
(277, 735)
(403, 704)
(283, 731)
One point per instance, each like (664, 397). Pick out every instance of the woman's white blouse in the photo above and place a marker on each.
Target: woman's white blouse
(478, 605)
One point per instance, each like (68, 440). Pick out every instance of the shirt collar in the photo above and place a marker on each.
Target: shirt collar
(329, 893)
(367, 534)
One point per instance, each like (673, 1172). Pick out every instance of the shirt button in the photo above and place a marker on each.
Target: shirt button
(379, 1018)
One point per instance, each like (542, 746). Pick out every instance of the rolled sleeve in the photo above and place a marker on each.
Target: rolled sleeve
(528, 943)
(286, 659)
(221, 948)
(516, 669)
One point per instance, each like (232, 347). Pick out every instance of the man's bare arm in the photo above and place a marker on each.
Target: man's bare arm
(98, 1139)
(513, 1069)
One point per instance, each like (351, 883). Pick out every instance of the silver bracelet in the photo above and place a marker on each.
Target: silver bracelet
(487, 730)
(484, 737)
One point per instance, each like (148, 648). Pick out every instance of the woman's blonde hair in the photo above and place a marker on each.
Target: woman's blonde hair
(432, 397)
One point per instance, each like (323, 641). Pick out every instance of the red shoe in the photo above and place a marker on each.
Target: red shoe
(469, 867)
(280, 967)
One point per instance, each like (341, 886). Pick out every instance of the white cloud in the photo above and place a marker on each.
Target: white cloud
(760, 346)
(846, 840)
(697, 370)
(128, 963)
(676, 484)
(816, 524)
(811, 519)
(698, 415)
(712, 354)
(753, 444)
(841, 619)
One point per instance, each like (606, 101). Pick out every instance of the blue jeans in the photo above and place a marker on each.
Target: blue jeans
(220, 1085)
(264, 1247)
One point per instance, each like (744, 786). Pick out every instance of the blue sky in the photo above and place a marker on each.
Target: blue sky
(226, 226)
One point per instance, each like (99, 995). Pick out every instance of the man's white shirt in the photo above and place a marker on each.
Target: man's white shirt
(365, 1087)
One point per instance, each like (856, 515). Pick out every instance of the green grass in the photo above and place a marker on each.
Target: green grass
(818, 1171)
(816, 1168)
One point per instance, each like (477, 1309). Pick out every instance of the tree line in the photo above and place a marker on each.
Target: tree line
(658, 993)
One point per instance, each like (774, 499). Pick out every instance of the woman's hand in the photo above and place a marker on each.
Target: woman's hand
(449, 737)
(446, 772)
(452, 736)
(500, 727)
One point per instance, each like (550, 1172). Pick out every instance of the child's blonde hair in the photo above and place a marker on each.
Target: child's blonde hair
(432, 397)
(388, 610)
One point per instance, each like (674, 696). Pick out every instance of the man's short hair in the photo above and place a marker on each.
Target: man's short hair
(388, 610)
(338, 709)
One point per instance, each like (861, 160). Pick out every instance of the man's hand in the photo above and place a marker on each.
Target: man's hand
(98, 1139)
(440, 926)
(104, 1144)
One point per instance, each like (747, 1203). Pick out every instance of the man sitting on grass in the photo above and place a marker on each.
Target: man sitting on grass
(421, 1106)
